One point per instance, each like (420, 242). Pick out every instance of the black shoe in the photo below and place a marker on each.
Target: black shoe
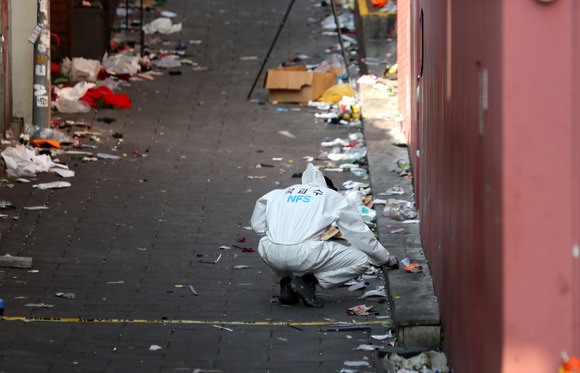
(287, 296)
(306, 292)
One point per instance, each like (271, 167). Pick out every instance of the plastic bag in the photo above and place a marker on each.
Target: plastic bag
(83, 69)
(68, 106)
(332, 61)
(121, 64)
(168, 61)
(65, 67)
(36, 132)
(335, 93)
(400, 210)
(162, 25)
(23, 161)
(73, 93)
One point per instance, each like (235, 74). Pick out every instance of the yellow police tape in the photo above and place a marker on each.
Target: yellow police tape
(201, 322)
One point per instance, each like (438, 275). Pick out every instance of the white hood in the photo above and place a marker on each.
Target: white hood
(313, 176)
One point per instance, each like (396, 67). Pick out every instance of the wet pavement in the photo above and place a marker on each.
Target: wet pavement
(130, 236)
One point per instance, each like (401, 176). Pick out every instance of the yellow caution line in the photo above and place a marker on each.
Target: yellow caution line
(201, 322)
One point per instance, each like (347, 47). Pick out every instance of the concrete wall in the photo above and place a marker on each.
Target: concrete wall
(22, 21)
(495, 124)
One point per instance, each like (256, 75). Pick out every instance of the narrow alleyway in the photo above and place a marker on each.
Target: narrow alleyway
(129, 237)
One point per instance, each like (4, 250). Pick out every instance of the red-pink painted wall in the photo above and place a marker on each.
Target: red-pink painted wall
(493, 127)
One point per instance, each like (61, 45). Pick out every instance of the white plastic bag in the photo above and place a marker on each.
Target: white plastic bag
(83, 69)
(23, 161)
(162, 25)
(121, 64)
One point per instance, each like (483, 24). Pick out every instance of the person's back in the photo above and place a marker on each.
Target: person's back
(300, 213)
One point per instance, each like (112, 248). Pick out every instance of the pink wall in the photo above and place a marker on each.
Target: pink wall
(537, 129)
(494, 178)
(576, 174)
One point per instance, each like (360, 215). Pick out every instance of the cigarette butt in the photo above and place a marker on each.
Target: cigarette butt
(192, 290)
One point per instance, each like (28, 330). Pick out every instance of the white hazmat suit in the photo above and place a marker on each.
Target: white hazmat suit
(293, 221)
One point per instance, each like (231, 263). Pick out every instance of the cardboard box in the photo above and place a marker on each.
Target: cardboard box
(297, 84)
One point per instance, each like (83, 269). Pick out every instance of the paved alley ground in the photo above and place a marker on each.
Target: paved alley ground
(130, 236)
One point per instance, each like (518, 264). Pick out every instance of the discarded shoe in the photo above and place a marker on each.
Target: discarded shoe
(287, 296)
(306, 292)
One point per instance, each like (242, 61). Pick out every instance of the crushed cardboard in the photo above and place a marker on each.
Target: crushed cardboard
(297, 84)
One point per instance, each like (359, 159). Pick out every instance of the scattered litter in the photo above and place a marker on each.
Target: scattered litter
(428, 361)
(398, 230)
(34, 208)
(222, 327)
(356, 363)
(287, 134)
(39, 305)
(383, 337)
(6, 205)
(192, 290)
(360, 310)
(347, 328)
(243, 239)
(256, 177)
(403, 164)
(9, 261)
(162, 25)
(374, 293)
(242, 266)
(109, 156)
(22, 161)
(400, 210)
(65, 173)
(410, 266)
(396, 190)
(53, 185)
(210, 262)
(168, 14)
(260, 165)
(225, 247)
(364, 347)
(357, 286)
(65, 295)
(154, 348)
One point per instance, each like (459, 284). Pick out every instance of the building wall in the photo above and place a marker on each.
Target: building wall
(491, 113)
(576, 187)
(404, 61)
(22, 21)
(537, 126)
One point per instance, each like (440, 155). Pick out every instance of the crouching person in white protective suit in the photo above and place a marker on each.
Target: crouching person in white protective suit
(293, 221)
